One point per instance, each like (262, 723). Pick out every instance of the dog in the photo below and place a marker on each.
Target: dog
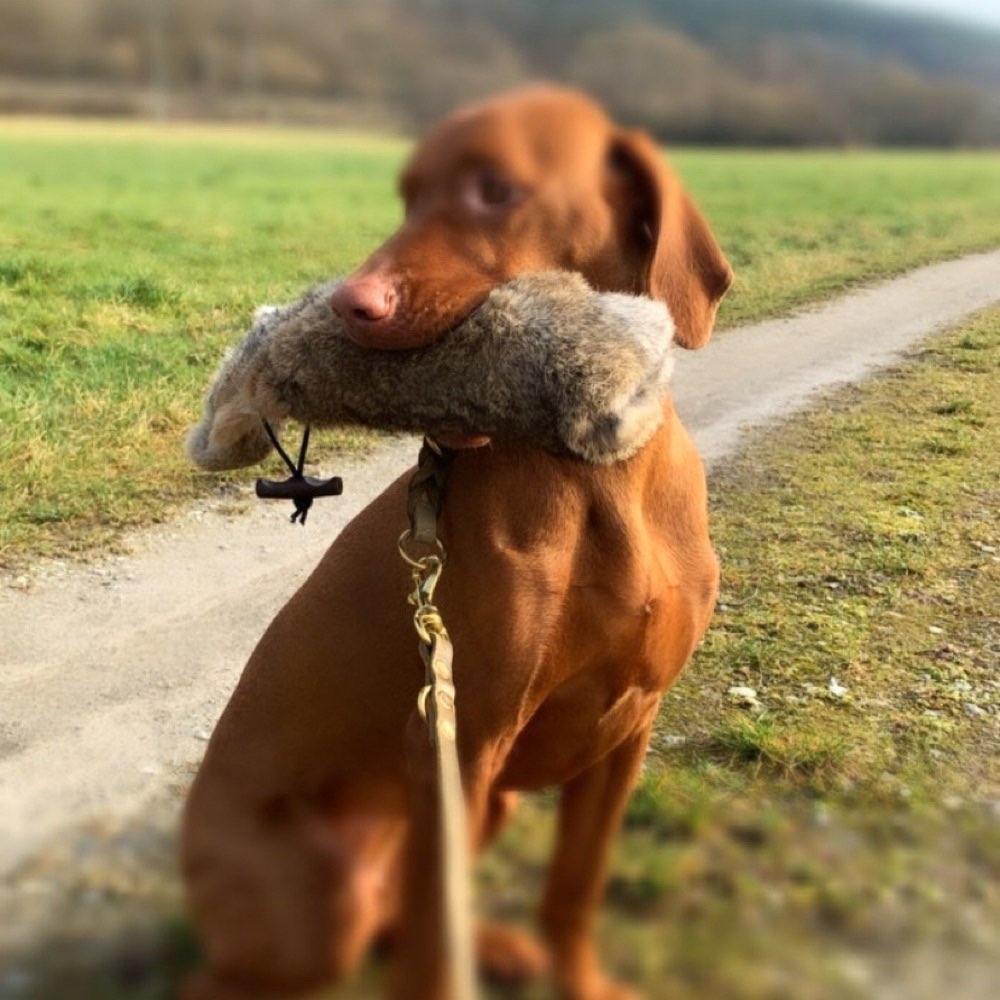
(574, 595)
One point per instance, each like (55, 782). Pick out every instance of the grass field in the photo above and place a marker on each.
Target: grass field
(130, 257)
(836, 838)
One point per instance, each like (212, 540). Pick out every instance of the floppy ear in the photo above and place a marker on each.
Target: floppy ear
(681, 263)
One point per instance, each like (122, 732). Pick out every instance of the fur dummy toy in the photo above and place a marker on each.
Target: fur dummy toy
(544, 360)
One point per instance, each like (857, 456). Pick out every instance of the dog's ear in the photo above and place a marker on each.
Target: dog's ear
(679, 260)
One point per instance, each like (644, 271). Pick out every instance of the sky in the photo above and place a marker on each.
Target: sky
(977, 11)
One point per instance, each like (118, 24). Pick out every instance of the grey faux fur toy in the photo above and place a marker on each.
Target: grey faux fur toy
(544, 360)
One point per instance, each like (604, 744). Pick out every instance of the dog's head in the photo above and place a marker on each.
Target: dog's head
(532, 181)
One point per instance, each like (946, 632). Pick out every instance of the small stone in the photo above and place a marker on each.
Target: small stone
(973, 710)
(671, 740)
(743, 695)
(836, 688)
(935, 630)
(202, 734)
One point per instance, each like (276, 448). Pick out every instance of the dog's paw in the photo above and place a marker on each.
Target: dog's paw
(508, 955)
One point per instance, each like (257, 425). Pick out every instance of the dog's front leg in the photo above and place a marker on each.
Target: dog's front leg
(590, 814)
(421, 967)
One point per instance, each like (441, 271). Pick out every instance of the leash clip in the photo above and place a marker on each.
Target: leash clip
(425, 570)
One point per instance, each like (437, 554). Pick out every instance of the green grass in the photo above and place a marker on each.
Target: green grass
(801, 226)
(862, 554)
(127, 262)
(129, 257)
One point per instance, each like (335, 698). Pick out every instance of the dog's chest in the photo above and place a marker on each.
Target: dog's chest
(626, 630)
(574, 728)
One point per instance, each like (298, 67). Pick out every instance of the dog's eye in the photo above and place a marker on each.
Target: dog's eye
(495, 189)
(490, 191)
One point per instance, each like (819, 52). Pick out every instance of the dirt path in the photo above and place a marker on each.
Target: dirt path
(111, 676)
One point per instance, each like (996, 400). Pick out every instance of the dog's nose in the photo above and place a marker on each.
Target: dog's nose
(363, 301)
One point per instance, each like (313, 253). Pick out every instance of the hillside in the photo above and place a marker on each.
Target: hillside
(787, 72)
(934, 45)
(928, 44)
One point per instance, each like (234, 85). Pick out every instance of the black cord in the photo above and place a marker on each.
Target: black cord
(295, 471)
(302, 503)
(303, 448)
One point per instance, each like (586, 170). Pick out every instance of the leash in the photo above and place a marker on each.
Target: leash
(436, 703)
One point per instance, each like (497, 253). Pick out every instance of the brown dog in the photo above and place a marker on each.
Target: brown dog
(574, 595)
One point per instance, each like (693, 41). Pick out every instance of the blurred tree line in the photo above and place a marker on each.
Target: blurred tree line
(707, 71)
